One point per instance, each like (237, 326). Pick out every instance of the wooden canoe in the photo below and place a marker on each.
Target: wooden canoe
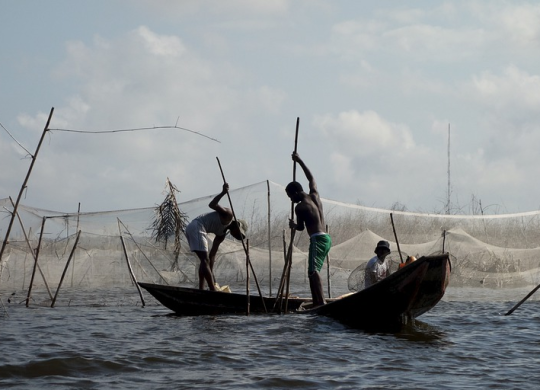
(189, 301)
(404, 295)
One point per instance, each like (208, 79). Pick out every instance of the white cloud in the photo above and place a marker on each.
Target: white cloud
(364, 133)
(513, 89)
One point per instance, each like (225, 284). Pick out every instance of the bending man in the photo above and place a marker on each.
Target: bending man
(218, 222)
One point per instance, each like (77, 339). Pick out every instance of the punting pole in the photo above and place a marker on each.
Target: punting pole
(35, 262)
(248, 261)
(288, 262)
(395, 236)
(66, 267)
(523, 300)
(23, 187)
(328, 271)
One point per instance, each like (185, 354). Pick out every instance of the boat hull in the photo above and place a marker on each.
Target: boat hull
(404, 295)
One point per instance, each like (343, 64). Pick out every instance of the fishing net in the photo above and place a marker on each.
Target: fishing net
(495, 251)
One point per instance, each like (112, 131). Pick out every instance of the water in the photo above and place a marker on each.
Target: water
(464, 343)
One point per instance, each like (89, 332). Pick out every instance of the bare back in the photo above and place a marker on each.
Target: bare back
(309, 212)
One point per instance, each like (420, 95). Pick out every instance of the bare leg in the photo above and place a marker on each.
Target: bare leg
(315, 285)
(205, 272)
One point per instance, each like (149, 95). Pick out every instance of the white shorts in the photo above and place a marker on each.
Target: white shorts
(196, 236)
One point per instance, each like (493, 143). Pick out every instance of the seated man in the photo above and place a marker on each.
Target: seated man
(377, 268)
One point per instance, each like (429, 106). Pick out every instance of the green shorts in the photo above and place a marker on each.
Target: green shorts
(319, 246)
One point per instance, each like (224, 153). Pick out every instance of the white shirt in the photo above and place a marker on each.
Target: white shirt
(375, 271)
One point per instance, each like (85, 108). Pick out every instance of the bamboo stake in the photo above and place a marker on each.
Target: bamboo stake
(23, 187)
(243, 244)
(395, 236)
(146, 257)
(66, 267)
(78, 221)
(32, 251)
(35, 262)
(248, 303)
(443, 240)
(131, 270)
(269, 241)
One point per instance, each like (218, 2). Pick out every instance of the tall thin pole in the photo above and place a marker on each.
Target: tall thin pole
(449, 187)
(66, 267)
(31, 250)
(269, 241)
(23, 187)
(328, 272)
(35, 262)
(133, 278)
(395, 236)
(289, 257)
(243, 243)
(248, 302)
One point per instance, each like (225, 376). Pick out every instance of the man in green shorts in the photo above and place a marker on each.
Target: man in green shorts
(309, 215)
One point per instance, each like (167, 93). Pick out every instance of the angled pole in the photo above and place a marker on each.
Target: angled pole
(523, 300)
(395, 236)
(32, 251)
(66, 268)
(23, 187)
(35, 262)
(243, 243)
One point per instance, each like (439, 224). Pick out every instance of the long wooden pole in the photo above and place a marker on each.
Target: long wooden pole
(35, 262)
(289, 265)
(32, 251)
(285, 276)
(269, 241)
(286, 253)
(395, 236)
(66, 268)
(243, 243)
(248, 303)
(523, 300)
(131, 270)
(23, 187)
(328, 271)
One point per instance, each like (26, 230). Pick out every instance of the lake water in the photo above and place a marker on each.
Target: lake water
(463, 343)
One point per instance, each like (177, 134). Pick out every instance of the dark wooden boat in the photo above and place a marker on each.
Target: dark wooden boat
(404, 295)
(401, 297)
(190, 301)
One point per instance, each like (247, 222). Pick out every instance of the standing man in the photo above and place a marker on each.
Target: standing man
(218, 222)
(309, 214)
(377, 268)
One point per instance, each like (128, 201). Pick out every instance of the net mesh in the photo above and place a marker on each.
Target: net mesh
(496, 251)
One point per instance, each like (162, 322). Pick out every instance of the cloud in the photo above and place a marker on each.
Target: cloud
(364, 134)
(513, 89)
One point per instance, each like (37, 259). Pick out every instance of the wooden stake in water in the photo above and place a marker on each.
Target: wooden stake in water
(66, 268)
(23, 187)
(35, 262)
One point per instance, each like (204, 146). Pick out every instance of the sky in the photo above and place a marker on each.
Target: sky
(400, 104)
